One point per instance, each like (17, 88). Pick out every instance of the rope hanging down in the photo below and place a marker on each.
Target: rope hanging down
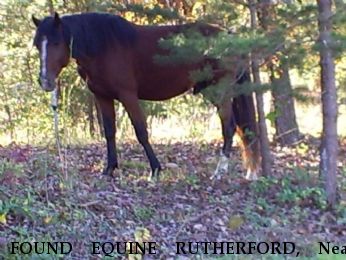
(54, 104)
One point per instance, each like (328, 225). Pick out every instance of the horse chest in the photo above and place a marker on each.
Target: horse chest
(101, 88)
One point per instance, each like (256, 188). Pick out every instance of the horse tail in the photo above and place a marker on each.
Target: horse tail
(245, 118)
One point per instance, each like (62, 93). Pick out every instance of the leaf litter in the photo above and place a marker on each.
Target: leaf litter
(39, 202)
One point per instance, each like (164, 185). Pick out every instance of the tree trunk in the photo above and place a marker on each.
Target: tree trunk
(329, 142)
(286, 126)
(287, 132)
(265, 149)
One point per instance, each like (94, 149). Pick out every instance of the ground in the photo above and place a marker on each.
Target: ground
(46, 197)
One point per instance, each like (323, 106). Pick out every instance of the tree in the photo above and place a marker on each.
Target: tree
(329, 143)
(265, 149)
(286, 126)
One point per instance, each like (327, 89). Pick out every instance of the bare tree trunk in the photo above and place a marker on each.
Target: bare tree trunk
(287, 132)
(329, 143)
(265, 149)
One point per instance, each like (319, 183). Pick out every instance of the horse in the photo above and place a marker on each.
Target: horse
(237, 115)
(116, 59)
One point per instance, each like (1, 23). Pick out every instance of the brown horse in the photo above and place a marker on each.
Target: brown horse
(238, 115)
(116, 59)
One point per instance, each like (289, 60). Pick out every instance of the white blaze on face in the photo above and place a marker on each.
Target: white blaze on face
(44, 44)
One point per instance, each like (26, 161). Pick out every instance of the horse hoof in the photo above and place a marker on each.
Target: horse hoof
(154, 176)
(217, 175)
(221, 168)
(251, 175)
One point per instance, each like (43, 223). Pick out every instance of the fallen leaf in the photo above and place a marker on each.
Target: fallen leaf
(235, 222)
(3, 218)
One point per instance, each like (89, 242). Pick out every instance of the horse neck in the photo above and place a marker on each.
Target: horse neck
(93, 34)
(69, 33)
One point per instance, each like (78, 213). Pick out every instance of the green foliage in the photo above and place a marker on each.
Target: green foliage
(203, 74)
(263, 184)
(25, 112)
(152, 15)
(290, 193)
(184, 48)
(6, 166)
(193, 181)
(226, 14)
(218, 92)
(271, 116)
(293, 189)
(144, 213)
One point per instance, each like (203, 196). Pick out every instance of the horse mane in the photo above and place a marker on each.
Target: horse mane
(90, 34)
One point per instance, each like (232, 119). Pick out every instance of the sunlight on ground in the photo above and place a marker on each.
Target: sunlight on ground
(205, 128)
(310, 120)
(178, 130)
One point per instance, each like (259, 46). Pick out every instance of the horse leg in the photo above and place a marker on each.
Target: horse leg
(131, 104)
(228, 129)
(108, 118)
(244, 113)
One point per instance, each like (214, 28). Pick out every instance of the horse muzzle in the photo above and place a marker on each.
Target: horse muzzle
(46, 84)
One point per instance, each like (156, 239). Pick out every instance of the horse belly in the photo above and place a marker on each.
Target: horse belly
(163, 89)
(164, 82)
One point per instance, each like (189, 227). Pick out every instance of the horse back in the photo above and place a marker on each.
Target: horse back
(155, 80)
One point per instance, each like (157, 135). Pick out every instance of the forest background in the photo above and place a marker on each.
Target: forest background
(185, 130)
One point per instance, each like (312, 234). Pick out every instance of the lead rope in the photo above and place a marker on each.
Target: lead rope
(54, 105)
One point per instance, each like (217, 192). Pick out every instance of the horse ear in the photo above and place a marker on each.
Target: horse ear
(35, 20)
(57, 19)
